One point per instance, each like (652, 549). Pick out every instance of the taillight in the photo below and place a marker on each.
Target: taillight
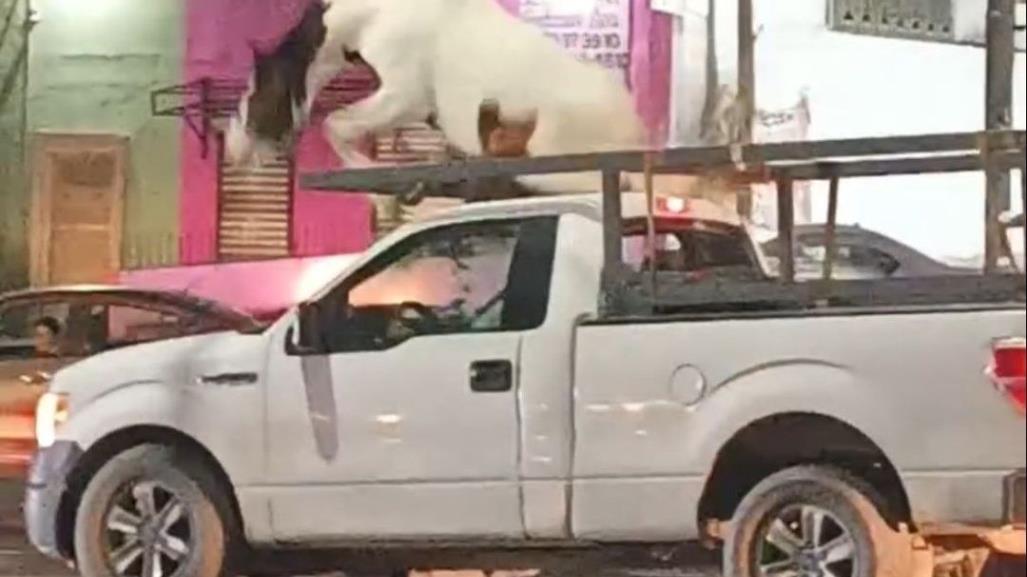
(1007, 369)
(671, 206)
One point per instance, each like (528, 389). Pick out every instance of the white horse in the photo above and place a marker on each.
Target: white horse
(439, 59)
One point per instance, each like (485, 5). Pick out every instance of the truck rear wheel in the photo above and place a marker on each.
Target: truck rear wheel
(812, 522)
(152, 512)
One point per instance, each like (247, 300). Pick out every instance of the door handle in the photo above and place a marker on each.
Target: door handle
(491, 376)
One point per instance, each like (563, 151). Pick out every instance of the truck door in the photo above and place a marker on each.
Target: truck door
(410, 424)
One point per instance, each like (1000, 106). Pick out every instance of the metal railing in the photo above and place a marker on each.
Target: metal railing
(205, 101)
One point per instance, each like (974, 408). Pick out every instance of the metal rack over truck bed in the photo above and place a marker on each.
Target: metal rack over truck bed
(627, 292)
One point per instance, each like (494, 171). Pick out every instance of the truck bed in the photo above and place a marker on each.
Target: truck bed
(912, 381)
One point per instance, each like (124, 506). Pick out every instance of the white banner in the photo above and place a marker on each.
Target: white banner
(598, 30)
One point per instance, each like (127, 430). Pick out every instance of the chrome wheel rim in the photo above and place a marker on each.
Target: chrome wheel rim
(147, 532)
(806, 541)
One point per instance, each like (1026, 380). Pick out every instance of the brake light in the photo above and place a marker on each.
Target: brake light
(1007, 369)
(671, 205)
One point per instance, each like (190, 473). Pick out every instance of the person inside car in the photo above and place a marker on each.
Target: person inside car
(45, 333)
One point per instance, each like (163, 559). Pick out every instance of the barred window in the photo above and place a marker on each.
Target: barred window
(913, 19)
(255, 211)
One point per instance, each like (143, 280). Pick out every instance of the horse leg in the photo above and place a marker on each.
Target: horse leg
(325, 68)
(384, 110)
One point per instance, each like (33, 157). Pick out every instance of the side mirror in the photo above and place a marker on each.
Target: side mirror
(305, 337)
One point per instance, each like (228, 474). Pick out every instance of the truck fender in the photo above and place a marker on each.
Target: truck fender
(797, 386)
(158, 405)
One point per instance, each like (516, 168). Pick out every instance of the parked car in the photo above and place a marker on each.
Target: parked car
(44, 330)
(861, 254)
(462, 397)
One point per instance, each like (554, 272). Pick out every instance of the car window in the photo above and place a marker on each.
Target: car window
(128, 325)
(464, 278)
(691, 249)
(462, 273)
(851, 260)
(18, 325)
(869, 259)
(15, 324)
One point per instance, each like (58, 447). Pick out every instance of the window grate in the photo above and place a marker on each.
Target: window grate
(911, 19)
(255, 211)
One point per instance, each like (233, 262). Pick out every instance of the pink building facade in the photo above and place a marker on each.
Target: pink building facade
(220, 34)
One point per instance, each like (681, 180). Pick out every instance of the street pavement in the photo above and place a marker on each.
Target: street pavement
(18, 560)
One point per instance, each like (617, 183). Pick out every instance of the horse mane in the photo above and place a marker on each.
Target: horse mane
(303, 40)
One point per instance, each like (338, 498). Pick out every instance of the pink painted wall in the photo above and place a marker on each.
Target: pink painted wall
(220, 33)
(651, 43)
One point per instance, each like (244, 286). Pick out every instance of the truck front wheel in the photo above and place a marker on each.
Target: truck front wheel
(811, 522)
(152, 512)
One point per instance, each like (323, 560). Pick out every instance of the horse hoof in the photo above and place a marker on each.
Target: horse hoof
(414, 196)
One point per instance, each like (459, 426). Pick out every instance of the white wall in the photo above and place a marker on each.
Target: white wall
(864, 86)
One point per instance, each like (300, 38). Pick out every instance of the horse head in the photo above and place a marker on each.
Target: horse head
(280, 92)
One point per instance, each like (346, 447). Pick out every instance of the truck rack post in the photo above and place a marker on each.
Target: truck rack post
(1023, 201)
(1001, 20)
(832, 224)
(650, 218)
(746, 90)
(786, 227)
(612, 242)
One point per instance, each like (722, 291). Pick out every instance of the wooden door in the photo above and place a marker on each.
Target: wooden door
(78, 199)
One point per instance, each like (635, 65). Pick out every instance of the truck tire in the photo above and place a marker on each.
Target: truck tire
(153, 512)
(1004, 566)
(812, 522)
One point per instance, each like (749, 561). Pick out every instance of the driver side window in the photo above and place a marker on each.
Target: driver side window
(481, 277)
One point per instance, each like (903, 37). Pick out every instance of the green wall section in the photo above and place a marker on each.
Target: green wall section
(13, 177)
(93, 66)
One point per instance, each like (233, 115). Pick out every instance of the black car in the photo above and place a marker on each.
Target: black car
(861, 254)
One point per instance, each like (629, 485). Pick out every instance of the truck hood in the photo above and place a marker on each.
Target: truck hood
(177, 361)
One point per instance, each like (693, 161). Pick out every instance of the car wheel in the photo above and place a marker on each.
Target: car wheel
(812, 522)
(152, 512)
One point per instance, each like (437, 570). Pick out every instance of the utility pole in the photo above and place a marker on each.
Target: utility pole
(746, 89)
(712, 75)
(998, 116)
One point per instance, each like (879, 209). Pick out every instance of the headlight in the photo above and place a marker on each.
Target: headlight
(51, 413)
(39, 378)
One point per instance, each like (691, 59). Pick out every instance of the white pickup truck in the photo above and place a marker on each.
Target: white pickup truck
(457, 400)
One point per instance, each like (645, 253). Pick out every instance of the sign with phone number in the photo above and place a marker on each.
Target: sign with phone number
(596, 30)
